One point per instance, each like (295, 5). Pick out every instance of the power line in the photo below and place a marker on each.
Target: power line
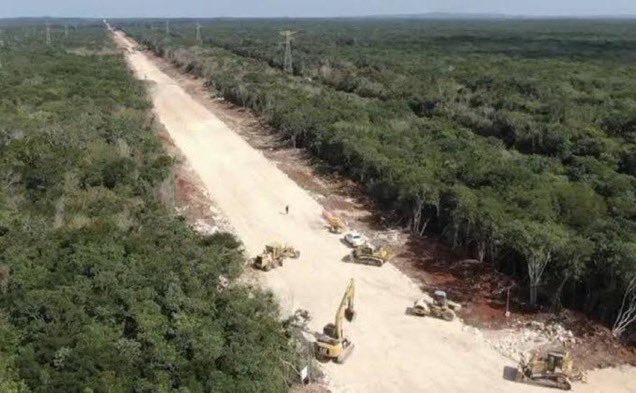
(288, 65)
(48, 34)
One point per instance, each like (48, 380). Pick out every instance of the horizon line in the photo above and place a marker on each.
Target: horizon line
(432, 15)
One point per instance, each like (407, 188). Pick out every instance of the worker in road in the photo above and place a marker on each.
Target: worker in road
(287, 209)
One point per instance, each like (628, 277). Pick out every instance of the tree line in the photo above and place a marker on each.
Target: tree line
(103, 288)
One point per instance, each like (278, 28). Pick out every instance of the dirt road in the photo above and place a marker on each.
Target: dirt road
(394, 352)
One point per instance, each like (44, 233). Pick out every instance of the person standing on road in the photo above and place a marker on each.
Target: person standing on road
(287, 209)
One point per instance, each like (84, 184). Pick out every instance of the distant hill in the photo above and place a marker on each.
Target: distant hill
(448, 15)
(486, 16)
(44, 19)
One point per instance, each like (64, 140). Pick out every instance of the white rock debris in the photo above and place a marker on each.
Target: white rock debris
(524, 338)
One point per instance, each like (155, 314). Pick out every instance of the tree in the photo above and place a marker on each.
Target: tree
(627, 313)
(537, 243)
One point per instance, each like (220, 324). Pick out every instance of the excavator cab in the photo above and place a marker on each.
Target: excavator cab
(555, 360)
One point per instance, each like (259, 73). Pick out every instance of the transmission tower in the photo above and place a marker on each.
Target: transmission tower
(167, 28)
(288, 65)
(199, 33)
(65, 30)
(48, 34)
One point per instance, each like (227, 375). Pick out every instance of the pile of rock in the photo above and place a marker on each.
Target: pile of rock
(391, 236)
(204, 228)
(554, 331)
(527, 337)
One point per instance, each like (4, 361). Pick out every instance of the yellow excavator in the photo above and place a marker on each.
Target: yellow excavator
(332, 343)
(336, 224)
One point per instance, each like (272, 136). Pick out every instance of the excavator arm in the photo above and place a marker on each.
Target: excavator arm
(345, 310)
(333, 344)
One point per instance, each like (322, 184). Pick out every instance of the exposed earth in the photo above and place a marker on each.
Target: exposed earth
(394, 352)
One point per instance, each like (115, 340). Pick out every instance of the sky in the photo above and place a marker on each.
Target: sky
(307, 8)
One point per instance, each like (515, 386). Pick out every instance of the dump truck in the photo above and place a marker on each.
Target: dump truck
(273, 256)
(554, 369)
(437, 306)
(371, 255)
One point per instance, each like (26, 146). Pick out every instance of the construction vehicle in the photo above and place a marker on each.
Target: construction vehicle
(552, 369)
(371, 255)
(437, 306)
(332, 344)
(273, 256)
(336, 224)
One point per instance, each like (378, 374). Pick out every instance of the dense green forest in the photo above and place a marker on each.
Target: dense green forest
(102, 287)
(514, 141)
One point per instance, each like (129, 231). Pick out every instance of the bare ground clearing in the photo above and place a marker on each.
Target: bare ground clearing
(394, 352)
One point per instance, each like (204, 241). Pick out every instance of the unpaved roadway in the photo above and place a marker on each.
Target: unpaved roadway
(394, 352)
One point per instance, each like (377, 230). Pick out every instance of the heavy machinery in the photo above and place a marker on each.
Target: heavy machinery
(552, 369)
(437, 306)
(336, 224)
(332, 344)
(371, 255)
(273, 256)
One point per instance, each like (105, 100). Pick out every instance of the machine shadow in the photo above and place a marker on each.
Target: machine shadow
(510, 373)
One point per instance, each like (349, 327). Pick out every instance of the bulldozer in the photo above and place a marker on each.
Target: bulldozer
(437, 306)
(370, 255)
(335, 223)
(332, 344)
(273, 256)
(553, 369)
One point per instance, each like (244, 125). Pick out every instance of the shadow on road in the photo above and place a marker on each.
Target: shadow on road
(509, 373)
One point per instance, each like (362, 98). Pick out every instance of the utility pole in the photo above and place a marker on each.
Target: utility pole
(288, 65)
(167, 28)
(199, 33)
(48, 34)
(65, 30)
